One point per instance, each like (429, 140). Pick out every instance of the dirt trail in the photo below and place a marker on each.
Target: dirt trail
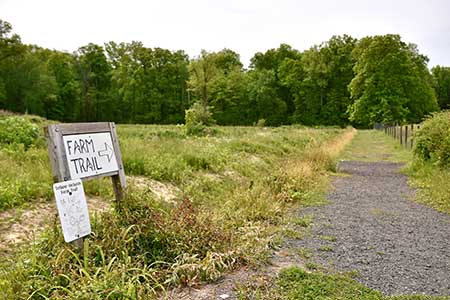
(20, 225)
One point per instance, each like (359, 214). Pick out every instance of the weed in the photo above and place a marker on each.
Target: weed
(305, 253)
(311, 266)
(326, 248)
(328, 238)
(304, 221)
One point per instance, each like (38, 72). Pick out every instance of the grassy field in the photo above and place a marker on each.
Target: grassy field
(229, 195)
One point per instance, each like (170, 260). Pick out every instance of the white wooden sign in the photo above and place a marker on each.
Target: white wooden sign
(72, 209)
(86, 151)
(90, 154)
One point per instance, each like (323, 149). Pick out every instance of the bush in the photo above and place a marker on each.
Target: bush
(432, 140)
(197, 119)
(18, 130)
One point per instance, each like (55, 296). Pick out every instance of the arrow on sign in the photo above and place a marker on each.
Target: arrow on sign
(108, 151)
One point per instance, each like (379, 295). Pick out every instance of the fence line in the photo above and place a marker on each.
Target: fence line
(404, 134)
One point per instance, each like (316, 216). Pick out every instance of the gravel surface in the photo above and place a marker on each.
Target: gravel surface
(396, 246)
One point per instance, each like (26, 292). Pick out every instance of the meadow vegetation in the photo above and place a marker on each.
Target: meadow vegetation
(430, 170)
(234, 186)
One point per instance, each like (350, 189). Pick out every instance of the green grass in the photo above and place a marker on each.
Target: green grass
(297, 284)
(373, 145)
(235, 188)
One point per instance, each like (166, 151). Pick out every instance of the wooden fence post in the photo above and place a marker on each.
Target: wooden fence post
(406, 136)
(401, 135)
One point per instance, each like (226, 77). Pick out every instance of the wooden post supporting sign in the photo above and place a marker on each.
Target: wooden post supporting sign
(86, 151)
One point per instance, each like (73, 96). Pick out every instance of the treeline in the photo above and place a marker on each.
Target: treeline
(339, 82)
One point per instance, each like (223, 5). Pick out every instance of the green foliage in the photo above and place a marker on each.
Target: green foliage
(267, 63)
(391, 83)
(262, 91)
(441, 84)
(18, 130)
(318, 82)
(198, 118)
(295, 283)
(432, 140)
(147, 85)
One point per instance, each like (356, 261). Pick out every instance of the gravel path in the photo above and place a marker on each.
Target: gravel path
(395, 245)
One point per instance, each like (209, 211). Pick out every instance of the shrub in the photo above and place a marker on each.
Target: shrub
(197, 119)
(18, 130)
(432, 140)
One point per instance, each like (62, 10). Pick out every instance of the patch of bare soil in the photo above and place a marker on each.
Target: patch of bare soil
(20, 225)
(163, 191)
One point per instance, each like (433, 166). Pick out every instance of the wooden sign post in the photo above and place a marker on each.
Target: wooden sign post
(86, 151)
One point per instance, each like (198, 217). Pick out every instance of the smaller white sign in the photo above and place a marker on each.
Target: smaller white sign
(72, 209)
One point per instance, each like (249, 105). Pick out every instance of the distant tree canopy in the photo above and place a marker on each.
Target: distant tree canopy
(339, 82)
(441, 84)
(391, 83)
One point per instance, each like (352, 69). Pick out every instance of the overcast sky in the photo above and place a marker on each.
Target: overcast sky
(245, 26)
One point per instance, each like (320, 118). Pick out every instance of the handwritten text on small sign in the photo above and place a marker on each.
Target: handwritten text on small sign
(72, 209)
(90, 154)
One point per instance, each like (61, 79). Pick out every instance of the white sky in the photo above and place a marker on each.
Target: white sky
(245, 26)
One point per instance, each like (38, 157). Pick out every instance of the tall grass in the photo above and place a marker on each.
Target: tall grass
(432, 184)
(235, 189)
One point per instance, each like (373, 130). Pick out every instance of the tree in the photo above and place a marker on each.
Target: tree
(263, 94)
(63, 67)
(12, 52)
(94, 71)
(272, 60)
(203, 70)
(10, 44)
(228, 90)
(441, 84)
(149, 84)
(391, 83)
(318, 82)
